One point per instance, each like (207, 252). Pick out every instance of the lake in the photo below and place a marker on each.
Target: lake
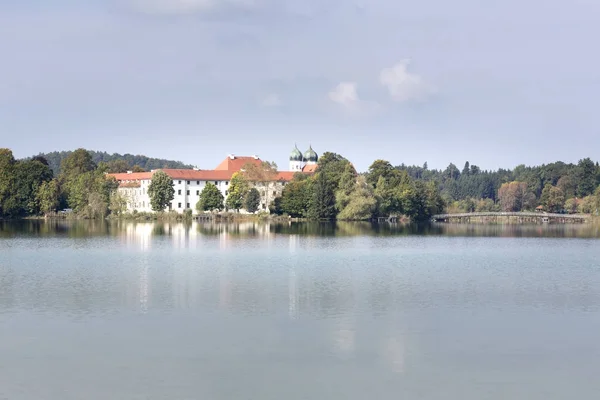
(97, 310)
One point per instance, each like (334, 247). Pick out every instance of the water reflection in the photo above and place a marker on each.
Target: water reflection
(333, 311)
(185, 234)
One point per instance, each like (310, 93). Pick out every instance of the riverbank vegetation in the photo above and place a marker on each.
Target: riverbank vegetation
(80, 188)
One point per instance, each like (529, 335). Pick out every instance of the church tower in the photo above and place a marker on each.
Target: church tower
(310, 156)
(296, 160)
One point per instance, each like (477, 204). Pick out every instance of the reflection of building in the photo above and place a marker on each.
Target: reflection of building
(139, 235)
(189, 183)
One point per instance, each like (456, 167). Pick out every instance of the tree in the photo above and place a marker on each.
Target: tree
(332, 166)
(161, 191)
(238, 187)
(467, 169)
(48, 196)
(346, 187)
(252, 200)
(586, 177)
(211, 199)
(553, 198)
(117, 204)
(7, 162)
(117, 166)
(379, 168)
(322, 201)
(28, 176)
(361, 202)
(515, 196)
(295, 198)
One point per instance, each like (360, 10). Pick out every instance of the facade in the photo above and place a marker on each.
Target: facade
(189, 183)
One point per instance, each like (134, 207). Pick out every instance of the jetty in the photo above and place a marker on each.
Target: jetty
(511, 218)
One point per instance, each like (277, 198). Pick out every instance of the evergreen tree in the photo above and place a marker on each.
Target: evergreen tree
(252, 200)
(161, 191)
(322, 201)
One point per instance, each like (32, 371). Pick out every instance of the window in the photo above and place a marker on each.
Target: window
(188, 182)
(197, 182)
(178, 205)
(274, 193)
(179, 191)
(179, 182)
(216, 183)
(188, 205)
(197, 193)
(187, 192)
(226, 183)
(226, 192)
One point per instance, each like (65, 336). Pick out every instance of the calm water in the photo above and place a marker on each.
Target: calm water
(156, 311)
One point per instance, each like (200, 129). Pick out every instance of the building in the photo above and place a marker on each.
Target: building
(189, 183)
(306, 162)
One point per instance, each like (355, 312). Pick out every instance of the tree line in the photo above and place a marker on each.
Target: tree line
(29, 187)
(554, 187)
(115, 163)
(336, 190)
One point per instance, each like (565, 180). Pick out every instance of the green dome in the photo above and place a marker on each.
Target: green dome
(310, 155)
(296, 155)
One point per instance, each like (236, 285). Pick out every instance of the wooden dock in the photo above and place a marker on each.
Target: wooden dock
(511, 218)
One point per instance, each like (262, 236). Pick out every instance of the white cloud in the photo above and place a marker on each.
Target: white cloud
(403, 85)
(186, 6)
(345, 94)
(271, 100)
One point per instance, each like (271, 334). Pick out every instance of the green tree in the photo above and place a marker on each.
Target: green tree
(295, 198)
(553, 198)
(238, 188)
(117, 204)
(211, 199)
(361, 202)
(332, 166)
(160, 191)
(48, 196)
(346, 187)
(322, 199)
(117, 166)
(586, 177)
(7, 178)
(379, 168)
(252, 200)
(28, 176)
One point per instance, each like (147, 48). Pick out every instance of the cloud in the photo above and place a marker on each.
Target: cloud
(345, 94)
(187, 6)
(271, 100)
(404, 86)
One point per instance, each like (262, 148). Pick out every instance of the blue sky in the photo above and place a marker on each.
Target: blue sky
(194, 80)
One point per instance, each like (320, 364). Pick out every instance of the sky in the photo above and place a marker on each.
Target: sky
(436, 81)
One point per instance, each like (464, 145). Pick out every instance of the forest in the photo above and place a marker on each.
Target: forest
(35, 187)
(556, 187)
(116, 162)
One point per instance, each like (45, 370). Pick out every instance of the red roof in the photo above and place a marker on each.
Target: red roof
(134, 176)
(234, 163)
(223, 172)
(310, 168)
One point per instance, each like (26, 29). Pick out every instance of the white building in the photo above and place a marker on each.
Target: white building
(189, 183)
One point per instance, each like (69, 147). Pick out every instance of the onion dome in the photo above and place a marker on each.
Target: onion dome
(296, 155)
(310, 155)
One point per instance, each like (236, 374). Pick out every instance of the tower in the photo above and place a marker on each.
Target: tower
(296, 160)
(310, 157)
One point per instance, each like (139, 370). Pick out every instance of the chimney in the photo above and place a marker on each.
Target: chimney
(130, 172)
(231, 157)
(255, 157)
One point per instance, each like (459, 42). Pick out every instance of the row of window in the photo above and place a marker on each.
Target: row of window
(187, 192)
(179, 205)
(198, 182)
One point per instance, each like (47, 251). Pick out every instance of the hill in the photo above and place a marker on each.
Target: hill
(147, 163)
